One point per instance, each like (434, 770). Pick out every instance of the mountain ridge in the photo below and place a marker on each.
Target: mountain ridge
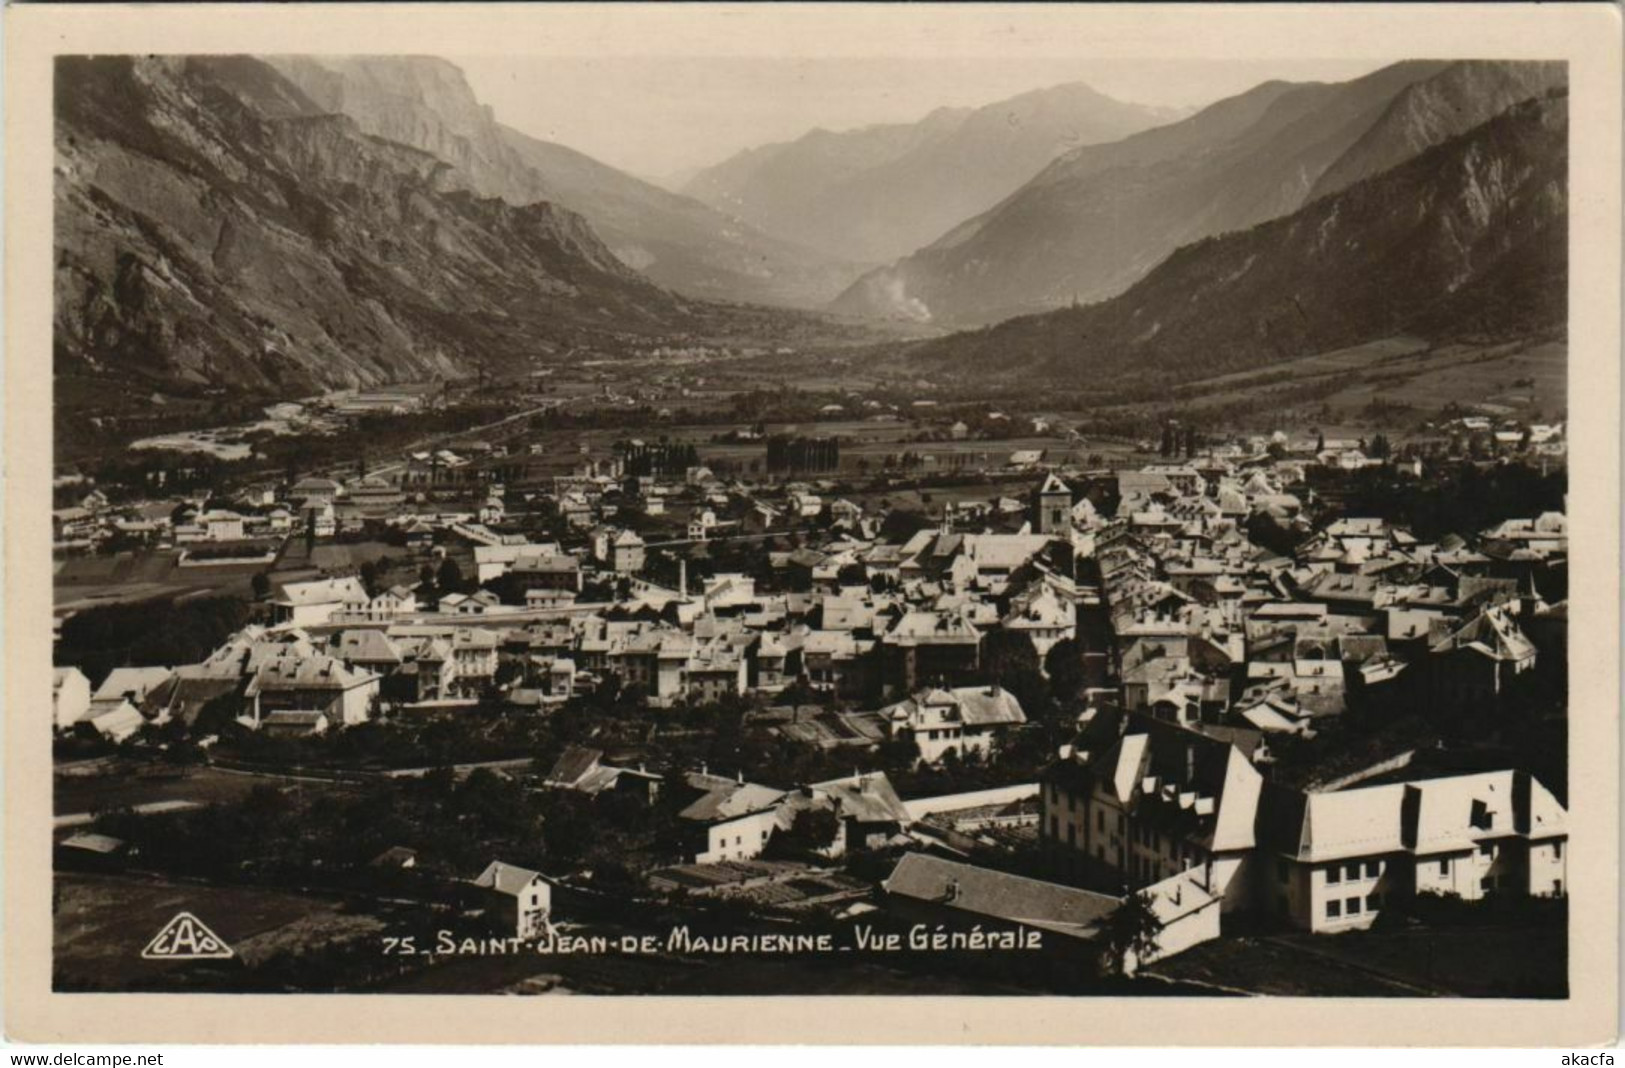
(679, 243)
(877, 191)
(216, 228)
(1099, 218)
(1466, 240)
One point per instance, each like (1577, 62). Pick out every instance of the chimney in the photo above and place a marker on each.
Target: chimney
(739, 776)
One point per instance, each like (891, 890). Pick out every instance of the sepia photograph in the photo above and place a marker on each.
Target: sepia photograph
(954, 524)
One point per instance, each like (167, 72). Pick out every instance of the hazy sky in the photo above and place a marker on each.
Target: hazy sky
(657, 116)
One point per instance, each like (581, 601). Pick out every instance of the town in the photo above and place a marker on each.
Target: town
(1184, 702)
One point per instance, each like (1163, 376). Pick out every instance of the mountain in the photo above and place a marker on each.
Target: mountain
(427, 103)
(876, 193)
(679, 242)
(1424, 114)
(217, 230)
(1466, 241)
(1097, 219)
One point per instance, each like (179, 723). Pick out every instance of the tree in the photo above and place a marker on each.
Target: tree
(1131, 933)
(426, 590)
(1064, 665)
(1006, 653)
(450, 577)
(261, 584)
(811, 831)
(1010, 660)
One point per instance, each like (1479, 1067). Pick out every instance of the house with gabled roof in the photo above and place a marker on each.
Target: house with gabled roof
(1479, 659)
(304, 604)
(1142, 800)
(70, 697)
(867, 811)
(518, 901)
(308, 695)
(583, 770)
(727, 819)
(963, 720)
(1337, 858)
(931, 889)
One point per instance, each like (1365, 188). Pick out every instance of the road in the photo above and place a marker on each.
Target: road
(338, 470)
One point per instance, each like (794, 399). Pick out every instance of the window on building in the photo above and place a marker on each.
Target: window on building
(1055, 826)
(1557, 850)
(1373, 868)
(1100, 819)
(1334, 875)
(1353, 906)
(1351, 872)
(1444, 866)
(1487, 883)
(1557, 887)
(1486, 850)
(1334, 909)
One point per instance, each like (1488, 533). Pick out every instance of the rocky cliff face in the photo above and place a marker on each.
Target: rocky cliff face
(1099, 218)
(674, 240)
(1466, 241)
(1429, 112)
(421, 101)
(218, 230)
(876, 193)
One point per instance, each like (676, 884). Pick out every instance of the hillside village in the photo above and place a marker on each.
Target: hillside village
(1190, 689)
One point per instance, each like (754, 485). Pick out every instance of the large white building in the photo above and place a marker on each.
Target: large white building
(305, 604)
(1339, 857)
(1142, 800)
(965, 720)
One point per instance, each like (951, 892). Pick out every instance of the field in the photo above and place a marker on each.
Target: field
(75, 794)
(1528, 380)
(84, 581)
(102, 923)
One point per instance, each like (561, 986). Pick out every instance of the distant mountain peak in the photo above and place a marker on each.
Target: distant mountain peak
(1466, 241)
(877, 191)
(1100, 216)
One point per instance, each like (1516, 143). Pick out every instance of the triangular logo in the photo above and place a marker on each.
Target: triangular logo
(187, 938)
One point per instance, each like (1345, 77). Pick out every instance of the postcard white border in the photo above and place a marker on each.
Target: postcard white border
(1586, 35)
